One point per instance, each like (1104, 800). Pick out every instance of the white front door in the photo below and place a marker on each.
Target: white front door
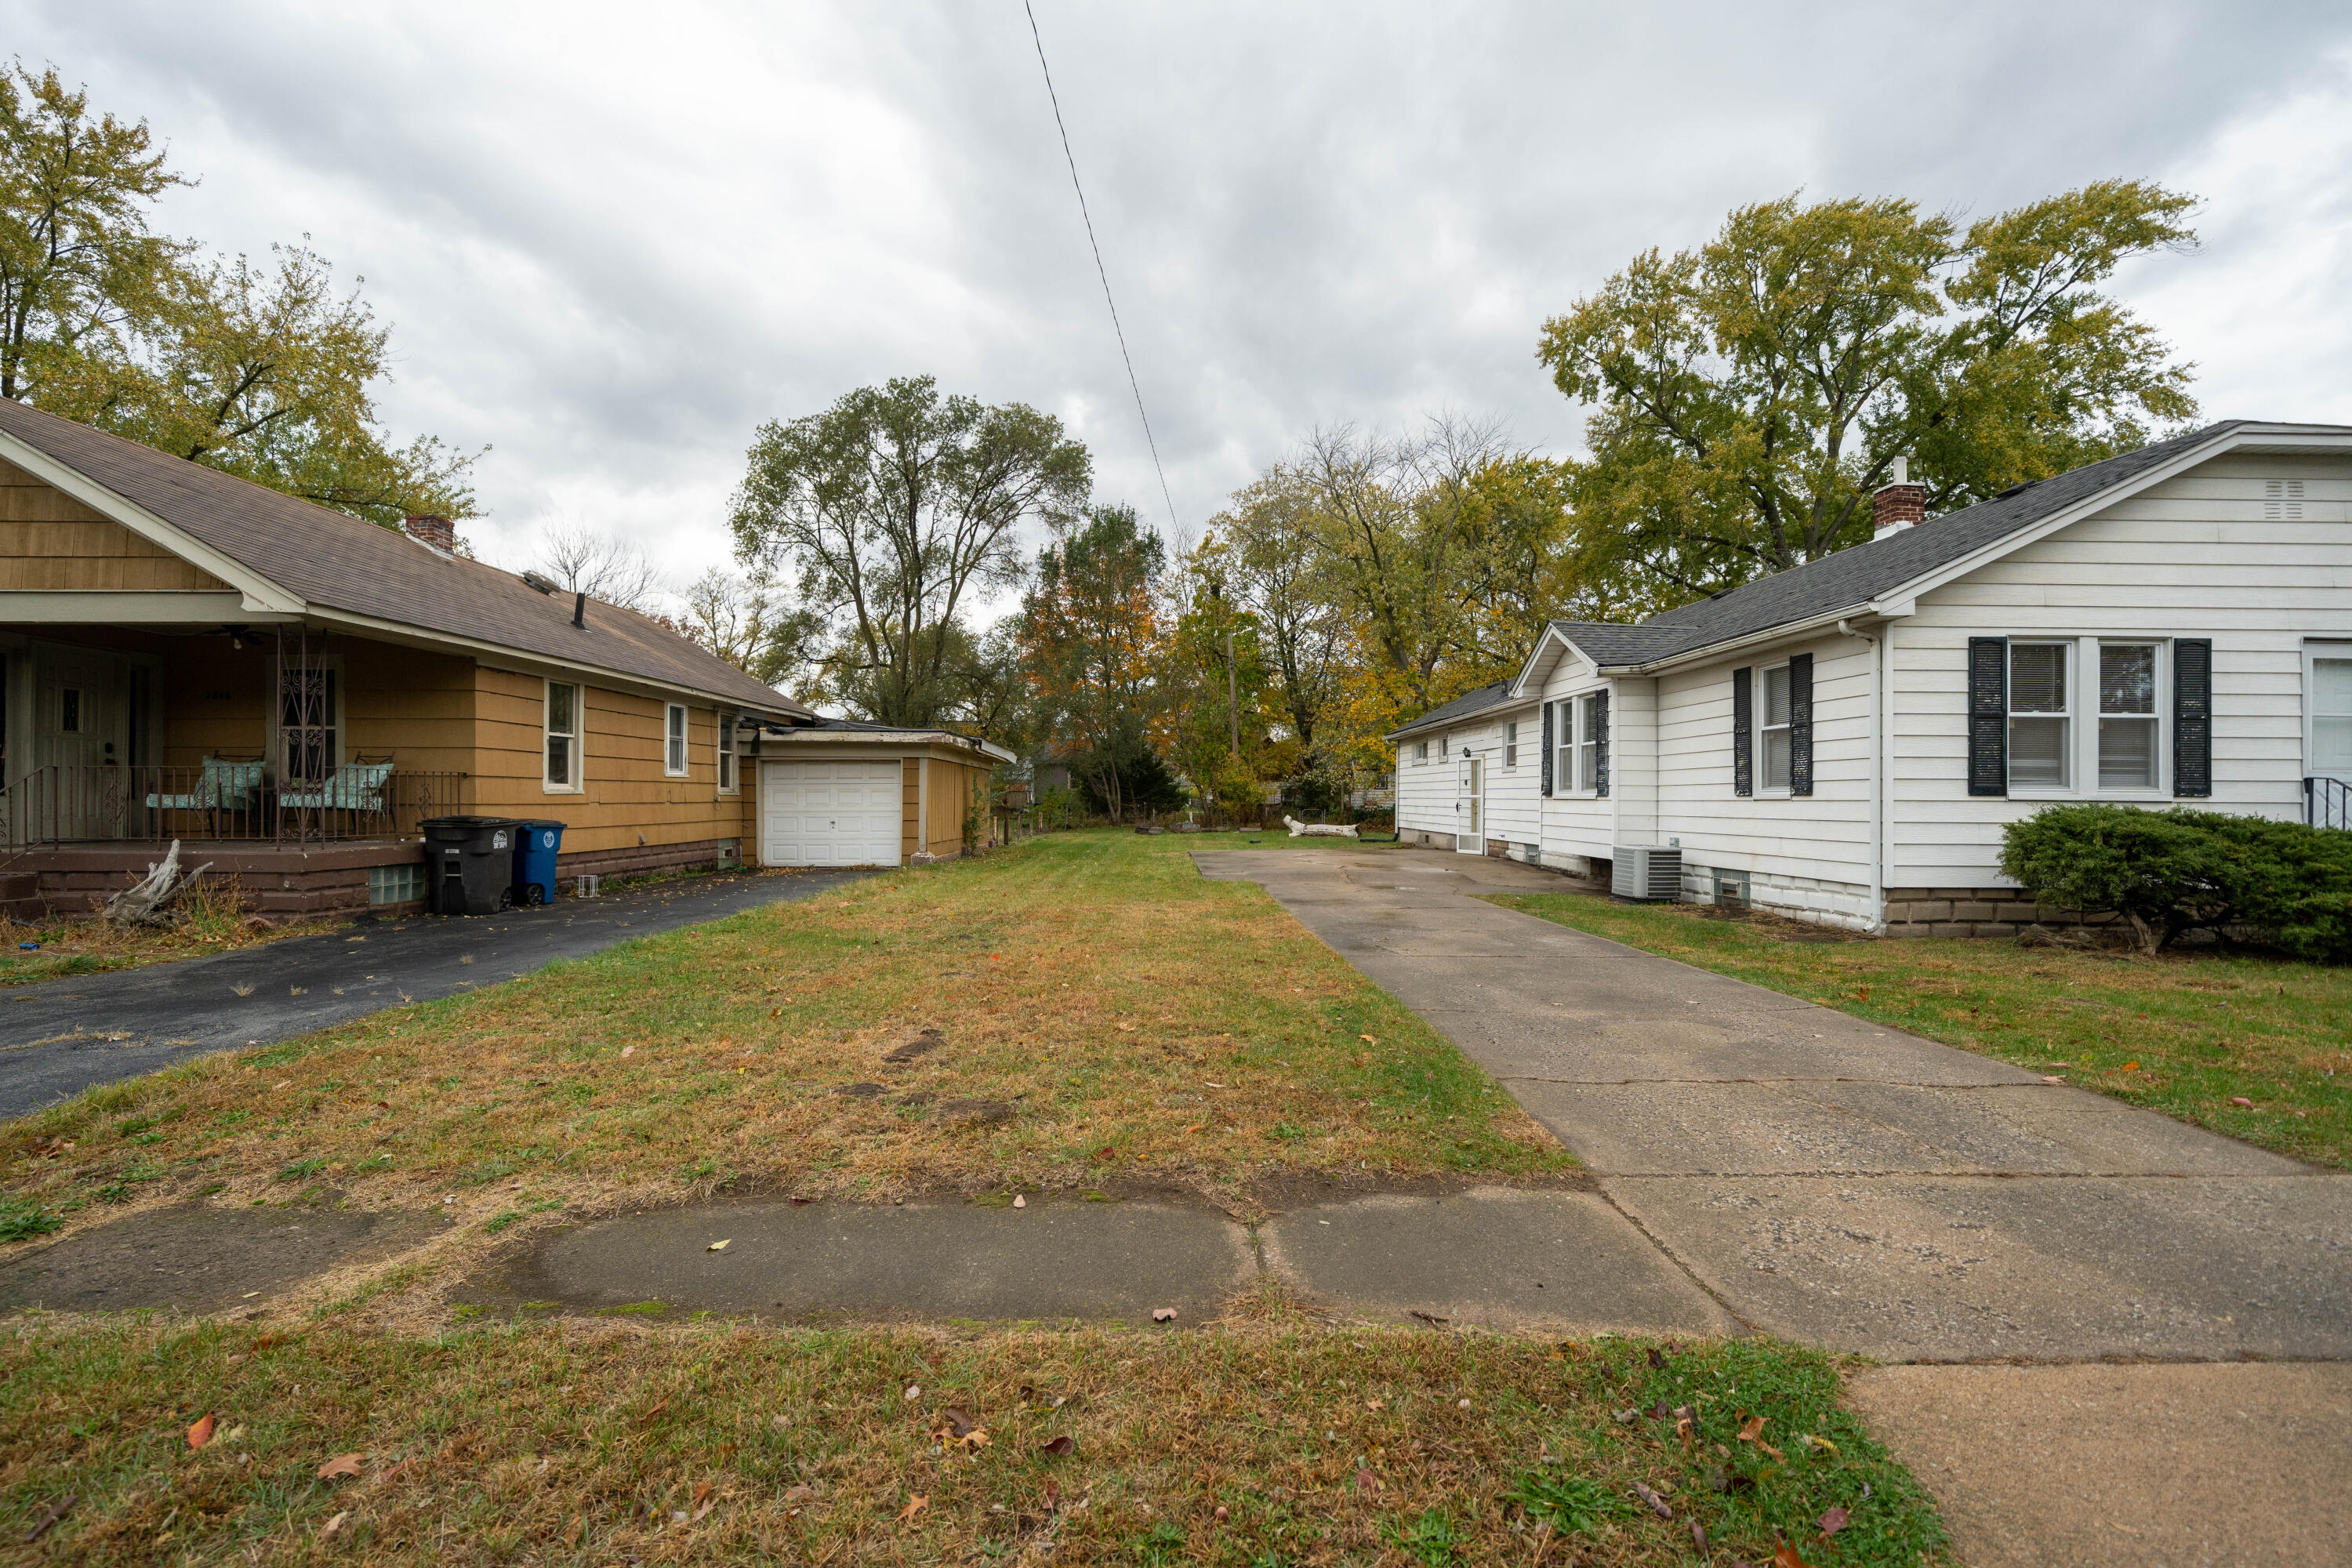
(829, 814)
(2328, 734)
(1470, 809)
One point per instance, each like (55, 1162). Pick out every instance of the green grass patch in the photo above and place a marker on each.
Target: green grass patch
(2191, 1033)
(540, 1442)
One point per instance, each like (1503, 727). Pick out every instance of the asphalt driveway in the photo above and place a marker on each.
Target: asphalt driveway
(62, 1037)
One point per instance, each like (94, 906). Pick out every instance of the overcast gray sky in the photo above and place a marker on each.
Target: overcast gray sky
(612, 239)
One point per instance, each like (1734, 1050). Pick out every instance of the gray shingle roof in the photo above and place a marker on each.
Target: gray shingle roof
(342, 563)
(1493, 694)
(1854, 576)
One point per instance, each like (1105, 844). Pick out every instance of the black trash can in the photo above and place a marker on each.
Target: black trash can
(536, 846)
(469, 863)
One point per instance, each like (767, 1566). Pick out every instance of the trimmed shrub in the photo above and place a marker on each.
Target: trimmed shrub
(2168, 872)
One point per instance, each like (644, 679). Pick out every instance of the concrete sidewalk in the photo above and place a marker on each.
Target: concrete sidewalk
(62, 1037)
(1830, 1180)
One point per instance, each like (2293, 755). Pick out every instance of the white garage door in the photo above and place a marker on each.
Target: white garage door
(829, 814)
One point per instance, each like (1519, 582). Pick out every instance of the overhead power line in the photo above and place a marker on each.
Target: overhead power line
(1100, 270)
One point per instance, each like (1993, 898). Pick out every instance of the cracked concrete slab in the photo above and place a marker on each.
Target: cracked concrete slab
(199, 1258)
(1841, 1182)
(1493, 1256)
(2126, 1466)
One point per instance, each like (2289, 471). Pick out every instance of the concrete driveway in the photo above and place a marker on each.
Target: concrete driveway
(62, 1037)
(1830, 1180)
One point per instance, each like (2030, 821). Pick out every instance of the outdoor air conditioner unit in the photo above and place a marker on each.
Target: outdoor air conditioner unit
(1647, 873)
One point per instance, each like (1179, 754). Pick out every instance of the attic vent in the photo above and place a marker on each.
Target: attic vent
(541, 581)
(2283, 499)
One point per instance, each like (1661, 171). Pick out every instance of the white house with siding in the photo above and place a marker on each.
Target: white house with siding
(1845, 741)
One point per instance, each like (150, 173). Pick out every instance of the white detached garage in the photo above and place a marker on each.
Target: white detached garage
(843, 793)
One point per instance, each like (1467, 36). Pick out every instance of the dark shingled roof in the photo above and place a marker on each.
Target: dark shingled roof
(342, 563)
(1854, 576)
(1493, 694)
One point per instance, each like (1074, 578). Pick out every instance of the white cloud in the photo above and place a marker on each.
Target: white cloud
(616, 238)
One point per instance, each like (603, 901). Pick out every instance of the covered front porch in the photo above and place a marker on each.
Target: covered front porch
(300, 763)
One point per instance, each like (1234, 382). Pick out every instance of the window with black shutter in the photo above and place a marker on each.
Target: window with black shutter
(1988, 715)
(1801, 723)
(1743, 721)
(2192, 717)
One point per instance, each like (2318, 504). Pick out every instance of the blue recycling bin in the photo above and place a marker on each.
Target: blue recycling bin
(534, 862)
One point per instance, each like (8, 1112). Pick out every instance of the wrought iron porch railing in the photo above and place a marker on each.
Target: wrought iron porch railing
(2327, 801)
(225, 799)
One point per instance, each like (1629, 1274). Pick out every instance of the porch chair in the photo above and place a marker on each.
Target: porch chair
(226, 784)
(360, 785)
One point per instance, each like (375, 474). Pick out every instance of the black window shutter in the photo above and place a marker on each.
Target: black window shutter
(1600, 735)
(1988, 715)
(2192, 717)
(1801, 723)
(1546, 748)
(1743, 725)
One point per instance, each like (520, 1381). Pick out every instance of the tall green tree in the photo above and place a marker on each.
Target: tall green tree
(1268, 551)
(1750, 395)
(896, 510)
(262, 372)
(1088, 637)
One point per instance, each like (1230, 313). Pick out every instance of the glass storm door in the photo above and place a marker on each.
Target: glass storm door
(1471, 809)
(2327, 739)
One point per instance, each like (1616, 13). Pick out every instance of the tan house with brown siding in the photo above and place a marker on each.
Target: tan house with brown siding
(289, 690)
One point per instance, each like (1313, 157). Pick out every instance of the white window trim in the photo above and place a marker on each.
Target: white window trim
(2314, 650)
(731, 779)
(677, 735)
(1768, 791)
(2081, 716)
(1572, 732)
(1419, 752)
(1510, 743)
(547, 730)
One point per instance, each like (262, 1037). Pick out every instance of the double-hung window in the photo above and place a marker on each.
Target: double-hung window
(725, 753)
(1776, 741)
(2129, 742)
(1419, 752)
(562, 774)
(1511, 745)
(1576, 756)
(674, 750)
(2041, 716)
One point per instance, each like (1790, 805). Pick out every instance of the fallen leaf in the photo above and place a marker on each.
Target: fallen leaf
(1163, 1315)
(334, 1524)
(1368, 1039)
(1365, 1480)
(914, 1391)
(2048, 1078)
(628, 1050)
(2241, 1100)
(1752, 1429)
(1212, 1084)
(1657, 1504)
(958, 1421)
(1787, 1557)
(656, 1410)
(801, 1493)
(2131, 1067)
(1819, 1445)
(1053, 1493)
(1698, 1537)
(201, 1432)
(1020, 1202)
(343, 1467)
(705, 1500)
(49, 1516)
(1223, 1513)
(1832, 1521)
(1060, 1446)
(914, 1505)
(394, 1473)
(719, 1246)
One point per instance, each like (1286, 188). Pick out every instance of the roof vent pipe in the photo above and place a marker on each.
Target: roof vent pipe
(1897, 504)
(579, 610)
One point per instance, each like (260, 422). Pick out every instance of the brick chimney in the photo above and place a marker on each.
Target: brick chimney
(437, 532)
(1898, 503)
